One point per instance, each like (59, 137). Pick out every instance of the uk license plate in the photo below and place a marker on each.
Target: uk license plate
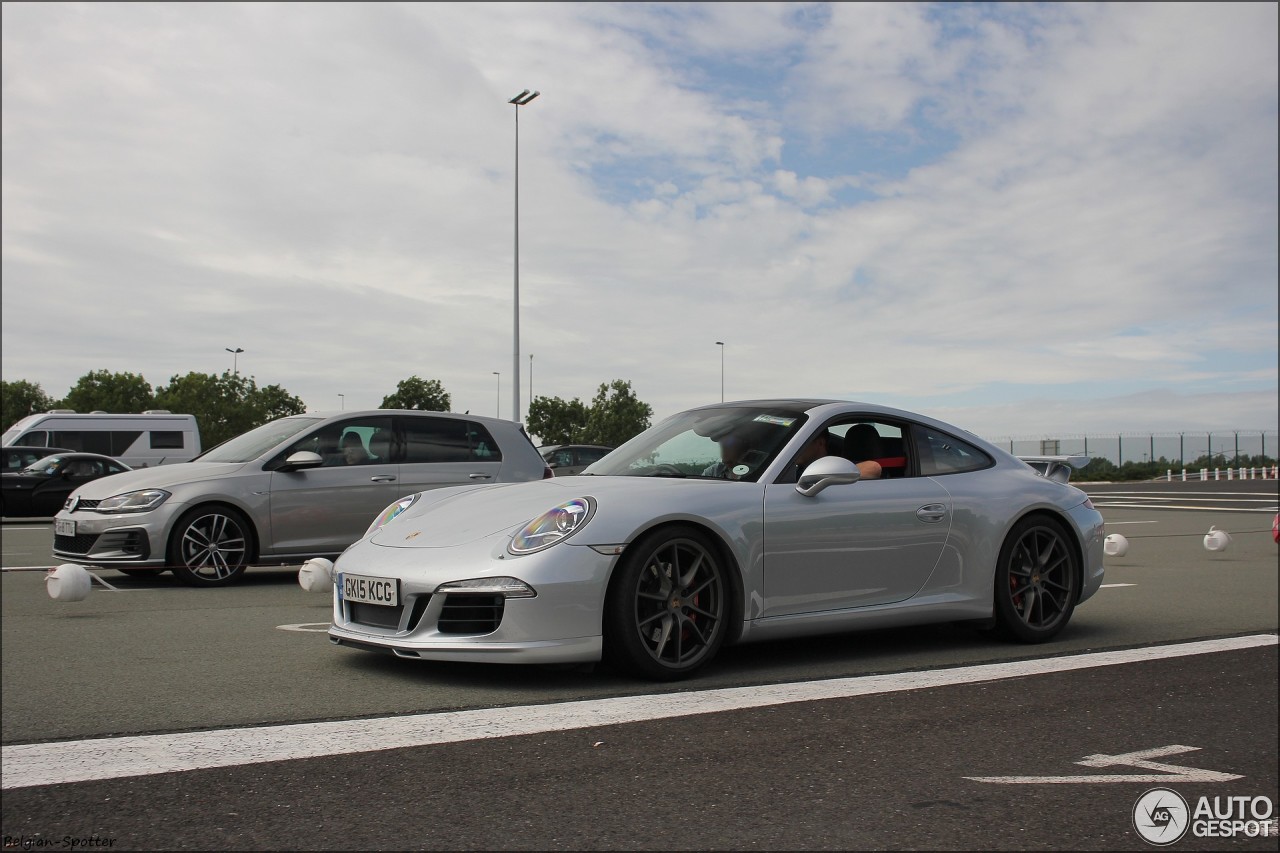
(64, 526)
(368, 589)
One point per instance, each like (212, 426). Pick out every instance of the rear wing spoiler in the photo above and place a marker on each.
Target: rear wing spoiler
(1056, 468)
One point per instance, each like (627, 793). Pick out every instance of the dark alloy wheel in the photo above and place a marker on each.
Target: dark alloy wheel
(210, 547)
(666, 612)
(1037, 581)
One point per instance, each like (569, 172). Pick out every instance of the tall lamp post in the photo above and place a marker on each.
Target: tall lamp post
(531, 379)
(235, 359)
(518, 101)
(721, 345)
(498, 401)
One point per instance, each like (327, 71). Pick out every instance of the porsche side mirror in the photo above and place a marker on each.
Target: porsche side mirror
(827, 471)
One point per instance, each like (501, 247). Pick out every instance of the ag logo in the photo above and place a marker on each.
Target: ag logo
(1161, 816)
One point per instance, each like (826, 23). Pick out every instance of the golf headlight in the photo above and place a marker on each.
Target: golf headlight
(554, 525)
(143, 501)
(391, 512)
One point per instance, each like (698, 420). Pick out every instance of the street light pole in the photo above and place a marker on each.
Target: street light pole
(530, 379)
(498, 402)
(518, 101)
(235, 359)
(721, 345)
(342, 402)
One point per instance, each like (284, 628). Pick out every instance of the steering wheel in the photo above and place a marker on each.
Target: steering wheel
(666, 468)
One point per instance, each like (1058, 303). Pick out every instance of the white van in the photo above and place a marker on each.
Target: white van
(139, 441)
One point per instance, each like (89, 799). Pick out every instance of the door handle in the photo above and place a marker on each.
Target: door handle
(932, 513)
(383, 478)
(482, 476)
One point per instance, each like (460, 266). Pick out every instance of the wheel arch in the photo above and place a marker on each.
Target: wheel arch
(254, 545)
(1073, 535)
(723, 551)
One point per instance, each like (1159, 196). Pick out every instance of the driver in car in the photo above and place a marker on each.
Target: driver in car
(817, 448)
(735, 450)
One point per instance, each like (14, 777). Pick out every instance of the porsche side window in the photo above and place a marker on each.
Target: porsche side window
(944, 454)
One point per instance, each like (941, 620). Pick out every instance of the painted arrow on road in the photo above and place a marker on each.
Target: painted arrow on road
(1141, 759)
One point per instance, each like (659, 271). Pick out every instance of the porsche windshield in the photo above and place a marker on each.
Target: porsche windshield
(721, 443)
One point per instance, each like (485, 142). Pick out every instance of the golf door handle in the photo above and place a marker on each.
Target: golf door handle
(383, 478)
(482, 476)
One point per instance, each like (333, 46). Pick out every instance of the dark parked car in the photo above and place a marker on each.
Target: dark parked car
(40, 489)
(566, 459)
(19, 456)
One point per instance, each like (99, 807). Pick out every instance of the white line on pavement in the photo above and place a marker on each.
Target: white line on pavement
(25, 765)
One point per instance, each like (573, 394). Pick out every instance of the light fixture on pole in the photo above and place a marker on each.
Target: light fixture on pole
(342, 402)
(518, 101)
(721, 345)
(235, 359)
(530, 379)
(498, 402)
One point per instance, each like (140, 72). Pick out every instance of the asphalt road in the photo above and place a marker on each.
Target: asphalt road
(887, 770)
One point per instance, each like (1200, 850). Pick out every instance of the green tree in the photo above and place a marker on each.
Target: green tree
(272, 401)
(557, 422)
(21, 398)
(104, 391)
(616, 415)
(226, 406)
(424, 395)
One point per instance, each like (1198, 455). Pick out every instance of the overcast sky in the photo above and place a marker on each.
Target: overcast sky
(1025, 219)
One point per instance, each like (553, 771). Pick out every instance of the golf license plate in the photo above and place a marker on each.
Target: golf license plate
(368, 589)
(64, 527)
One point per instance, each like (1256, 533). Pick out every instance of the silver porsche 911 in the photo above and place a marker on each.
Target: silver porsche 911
(724, 524)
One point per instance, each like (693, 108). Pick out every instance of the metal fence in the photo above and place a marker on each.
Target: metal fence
(1225, 449)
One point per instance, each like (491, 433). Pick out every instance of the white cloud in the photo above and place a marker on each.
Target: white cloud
(886, 202)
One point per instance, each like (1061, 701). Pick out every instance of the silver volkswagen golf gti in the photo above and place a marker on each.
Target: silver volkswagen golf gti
(298, 487)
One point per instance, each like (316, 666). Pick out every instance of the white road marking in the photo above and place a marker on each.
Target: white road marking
(1114, 585)
(25, 765)
(1266, 509)
(305, 626)
(1166, 773)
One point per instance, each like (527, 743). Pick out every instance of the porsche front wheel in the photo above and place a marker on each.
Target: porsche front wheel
(666, 611)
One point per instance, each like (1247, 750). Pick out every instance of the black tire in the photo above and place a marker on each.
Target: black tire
(668, 605)
(1037, 581)
(210, 546)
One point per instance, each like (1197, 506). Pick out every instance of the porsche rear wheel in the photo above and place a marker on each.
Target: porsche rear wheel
(666, 612)
(1037, 581)
(210, 547)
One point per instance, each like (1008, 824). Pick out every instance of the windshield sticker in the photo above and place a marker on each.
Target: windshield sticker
(775, 420)
(741, 470)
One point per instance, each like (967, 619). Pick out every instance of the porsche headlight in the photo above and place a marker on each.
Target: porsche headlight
(554, 525)
(503, 586)
(143, 501)
(391, 512)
